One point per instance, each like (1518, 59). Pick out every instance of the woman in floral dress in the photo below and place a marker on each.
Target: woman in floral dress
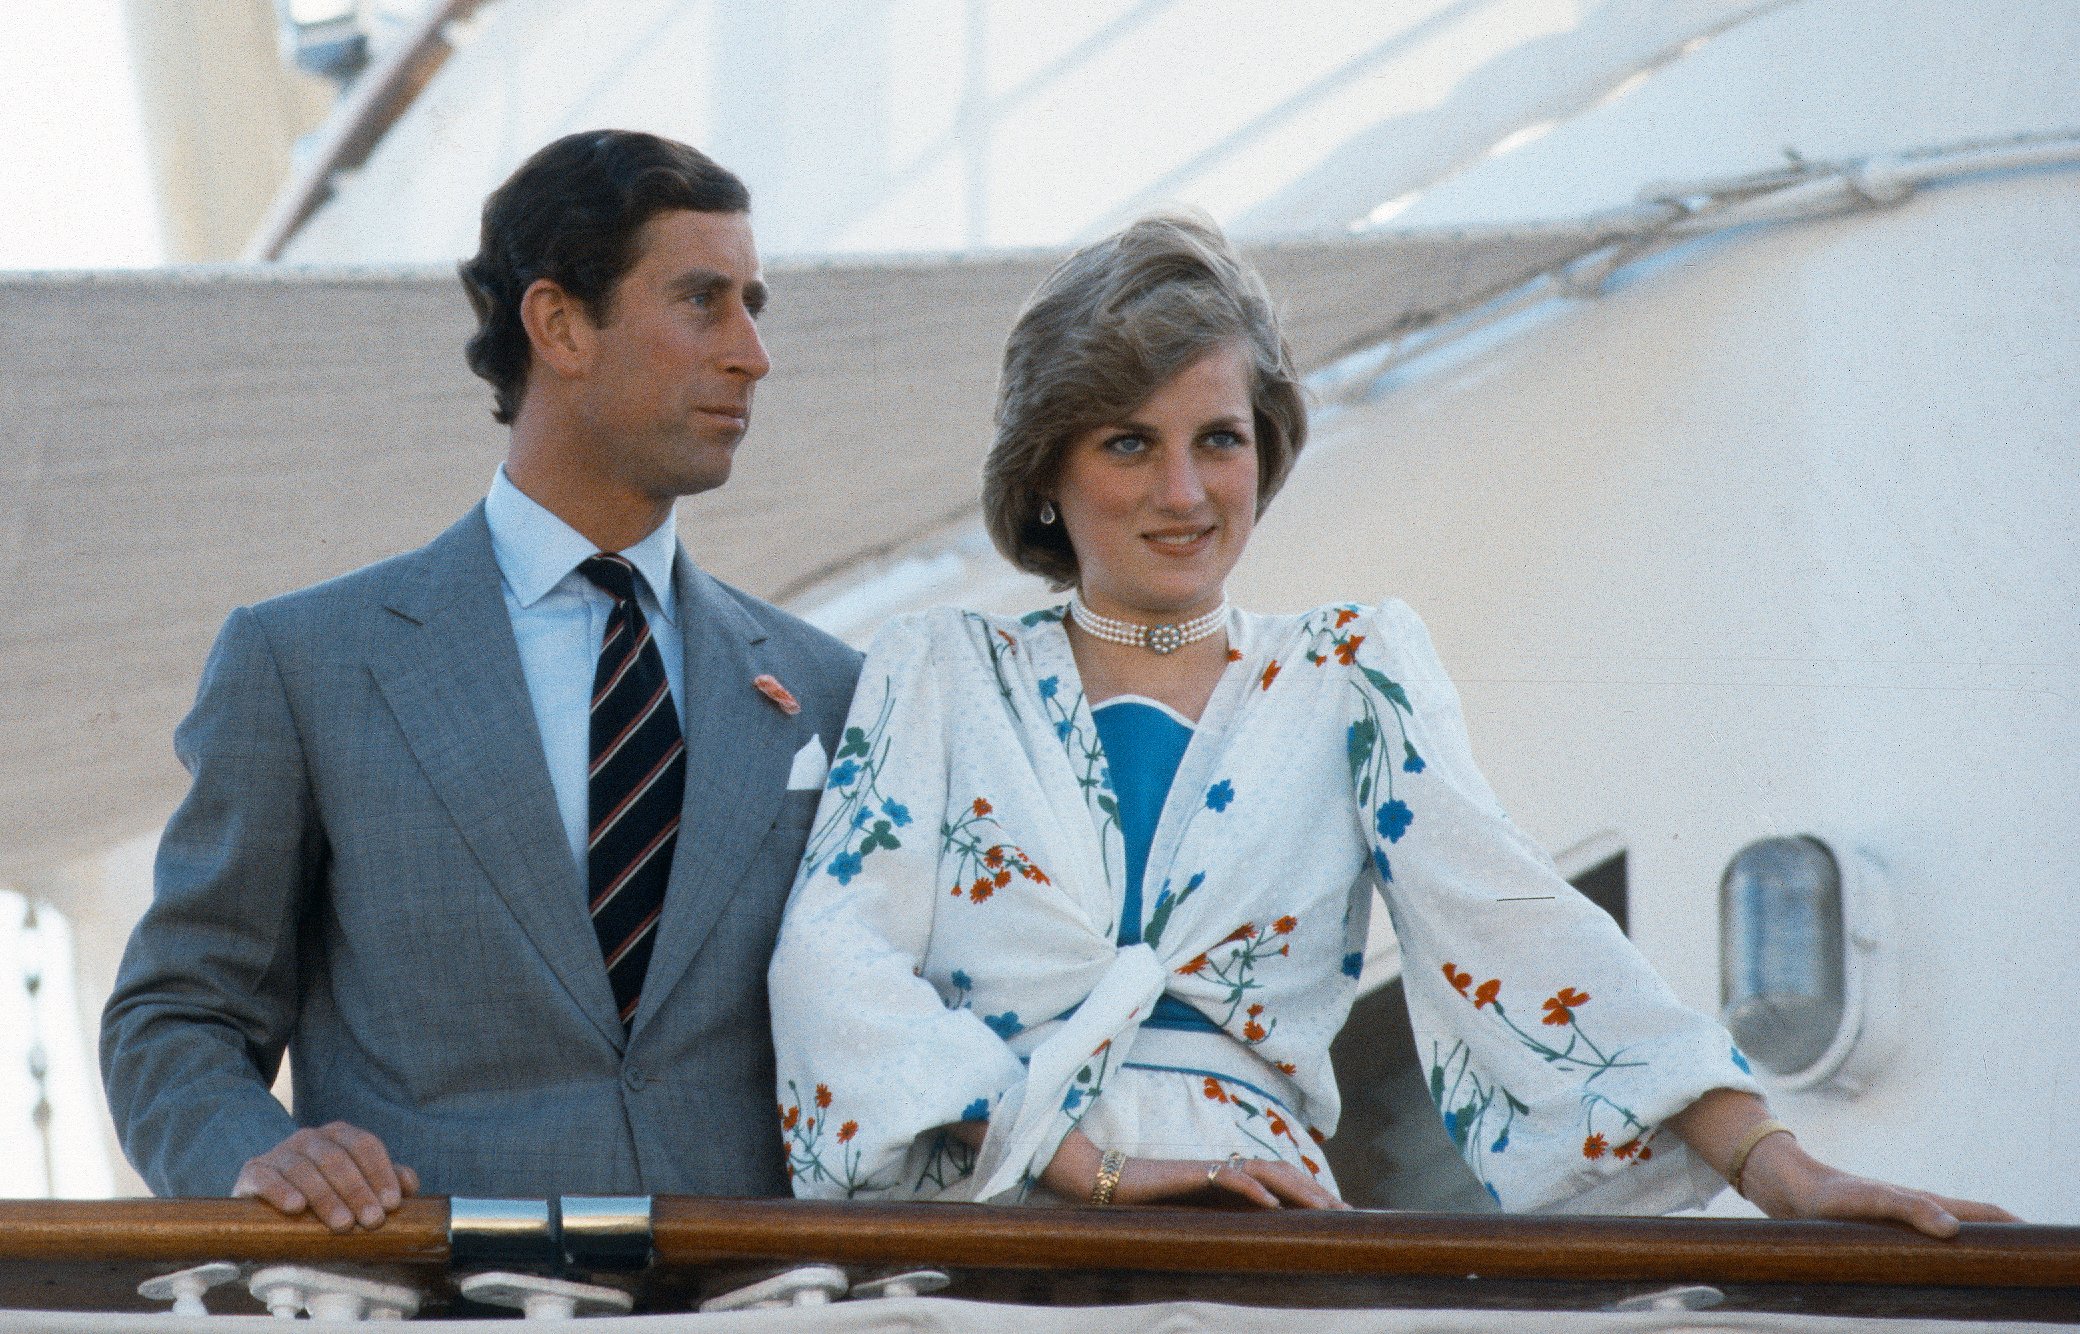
(1087, 896)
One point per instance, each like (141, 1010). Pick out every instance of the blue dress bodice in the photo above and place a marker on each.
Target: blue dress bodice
(1144, 742)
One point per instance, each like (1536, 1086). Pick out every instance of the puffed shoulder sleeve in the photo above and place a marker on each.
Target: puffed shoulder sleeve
(871, 1061)
(1553, 1051)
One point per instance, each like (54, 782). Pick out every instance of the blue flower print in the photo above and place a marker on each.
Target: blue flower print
(896, 811)
(1219, 795)
(845, 866)
(1741, 1061)
(1072, 1099)
(1048, 685)
(1063, 728)
(961, 981)
(862, 817)
(1004, 1025)
(1413, 764)
(1393, 820)
(1501, 1142)
(843, 775)
(1353, 963)
(1379, 863)
(977, 1110)
(1491, 1192)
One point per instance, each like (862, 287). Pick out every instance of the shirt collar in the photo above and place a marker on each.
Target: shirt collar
(536, 551)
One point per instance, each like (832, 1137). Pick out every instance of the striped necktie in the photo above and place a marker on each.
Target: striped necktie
(637, 780)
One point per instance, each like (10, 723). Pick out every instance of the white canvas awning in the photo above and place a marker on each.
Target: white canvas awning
(175, 444)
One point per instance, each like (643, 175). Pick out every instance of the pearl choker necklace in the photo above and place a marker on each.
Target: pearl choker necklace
(1162, 639)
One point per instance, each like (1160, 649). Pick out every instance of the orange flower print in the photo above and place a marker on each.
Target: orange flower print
(1317, 1136)
(789, 1117)
(1460, 981)
(1313, 1168)
(1001, 879)
(1214, 1090)
(1270, 675)
(1194, 966)
(1646, 1151)
(1345, 615)
(1594, 1146)
(1288, 1068)
(1347, 650)
(1010, 644)
(1284, 925)
(1243, 932)
(1626, 1150)
(847, 1131)
(1035, 874)
(981, 807)
(1253, 1031)
(1234, 655)
(994, 857)
(1278, 1124)
(981, 889)
(1487, 991)
(1255, 1010)
(823, 1095)
(1560, 1009)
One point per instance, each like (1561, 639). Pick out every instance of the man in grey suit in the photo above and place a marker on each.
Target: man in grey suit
(493, 837)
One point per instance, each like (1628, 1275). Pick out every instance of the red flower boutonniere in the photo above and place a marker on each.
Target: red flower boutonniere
(783, 699)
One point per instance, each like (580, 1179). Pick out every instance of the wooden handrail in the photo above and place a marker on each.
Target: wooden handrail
(692, 1232)
(1365, 1243)
(184, 1231)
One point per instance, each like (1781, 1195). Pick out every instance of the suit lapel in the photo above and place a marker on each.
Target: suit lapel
(738, 748)
(453, 679)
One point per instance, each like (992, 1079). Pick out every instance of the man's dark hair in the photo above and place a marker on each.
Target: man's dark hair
(570, 214)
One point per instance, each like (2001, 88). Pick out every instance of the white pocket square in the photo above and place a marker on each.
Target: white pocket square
(809, 768)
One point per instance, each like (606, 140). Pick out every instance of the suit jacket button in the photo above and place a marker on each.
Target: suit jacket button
(634, 1079)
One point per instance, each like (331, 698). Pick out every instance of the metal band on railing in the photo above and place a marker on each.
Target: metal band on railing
(606, 1231)
(502, 1233)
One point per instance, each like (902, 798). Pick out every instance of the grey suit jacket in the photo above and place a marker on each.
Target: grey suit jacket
(369, 871)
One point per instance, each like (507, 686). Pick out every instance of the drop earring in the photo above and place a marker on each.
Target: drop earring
(1047, 512)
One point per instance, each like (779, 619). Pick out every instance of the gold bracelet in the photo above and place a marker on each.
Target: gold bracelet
(1109, 1168)
(1761, 1131)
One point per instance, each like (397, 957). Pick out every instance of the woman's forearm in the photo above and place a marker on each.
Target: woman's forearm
(1716, 1123)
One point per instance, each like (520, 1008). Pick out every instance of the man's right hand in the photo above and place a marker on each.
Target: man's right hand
(341, 1173)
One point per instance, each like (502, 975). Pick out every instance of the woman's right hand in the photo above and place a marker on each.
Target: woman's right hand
(1263, 1183)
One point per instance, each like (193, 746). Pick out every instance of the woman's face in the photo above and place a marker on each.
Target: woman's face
(1160, 506)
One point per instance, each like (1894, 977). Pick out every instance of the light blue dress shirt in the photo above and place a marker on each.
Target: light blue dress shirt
(559, 617)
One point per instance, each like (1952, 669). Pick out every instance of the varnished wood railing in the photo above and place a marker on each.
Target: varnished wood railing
(59, 1253)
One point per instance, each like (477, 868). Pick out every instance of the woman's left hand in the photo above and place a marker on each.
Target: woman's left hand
(1785, 1181)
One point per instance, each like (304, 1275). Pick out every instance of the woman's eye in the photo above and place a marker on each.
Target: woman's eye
(1125, 444)
(1225, 439)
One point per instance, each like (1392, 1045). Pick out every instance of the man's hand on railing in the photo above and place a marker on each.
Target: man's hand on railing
(341, 1173)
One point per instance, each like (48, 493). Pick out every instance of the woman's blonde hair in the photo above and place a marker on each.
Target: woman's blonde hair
(1113, 323)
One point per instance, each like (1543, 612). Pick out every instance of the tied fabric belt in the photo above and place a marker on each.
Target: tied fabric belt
(1056, 1050)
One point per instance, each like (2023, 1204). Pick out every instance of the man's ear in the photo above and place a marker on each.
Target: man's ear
(558, 327)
